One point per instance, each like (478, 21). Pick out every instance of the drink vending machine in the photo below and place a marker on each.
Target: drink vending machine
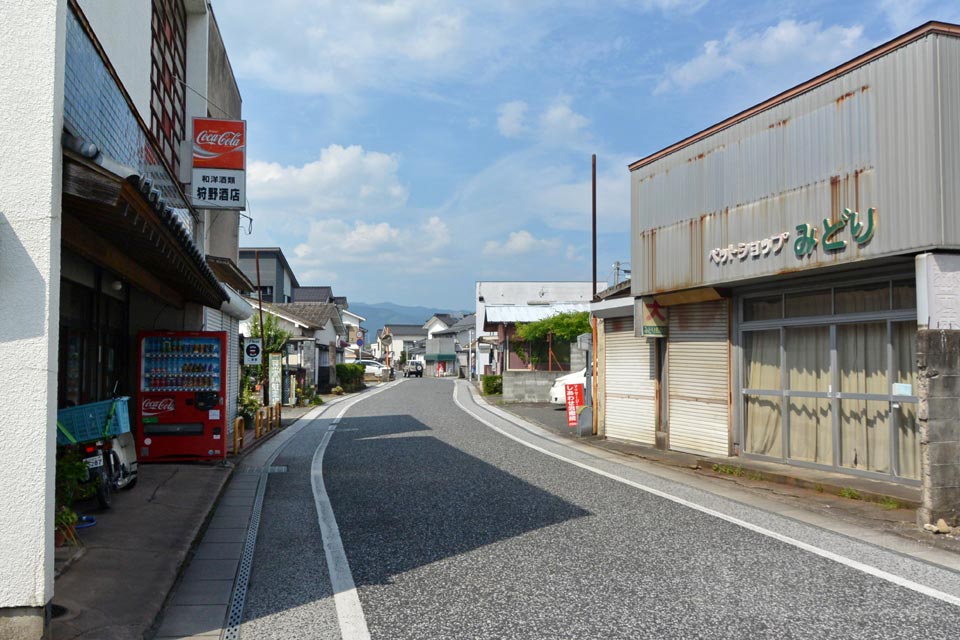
(181, 412)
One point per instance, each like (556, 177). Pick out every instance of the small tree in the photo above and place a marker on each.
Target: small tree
(273, 338)
(543, 337)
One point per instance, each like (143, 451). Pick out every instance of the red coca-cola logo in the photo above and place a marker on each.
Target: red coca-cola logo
(221, 138)
(156, 406)
(219, 144)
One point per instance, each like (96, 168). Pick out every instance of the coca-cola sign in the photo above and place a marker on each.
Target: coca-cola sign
(219, 163)
(219, 144)
(157, 406)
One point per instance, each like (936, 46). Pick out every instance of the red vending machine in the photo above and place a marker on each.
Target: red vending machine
(181, 413)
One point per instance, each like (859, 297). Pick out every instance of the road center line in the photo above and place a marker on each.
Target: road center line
(353, 624)
(823, 553)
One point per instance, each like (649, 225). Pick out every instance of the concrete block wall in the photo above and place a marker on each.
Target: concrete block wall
(938, 382)
(529, 386)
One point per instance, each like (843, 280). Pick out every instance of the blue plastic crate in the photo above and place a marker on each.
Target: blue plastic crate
(88, 422)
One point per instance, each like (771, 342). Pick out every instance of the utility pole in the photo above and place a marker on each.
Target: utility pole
(263, 337)
(594, 296)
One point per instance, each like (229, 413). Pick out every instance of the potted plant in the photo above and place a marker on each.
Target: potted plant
(247, 407)
(71, 485)
(65, 526)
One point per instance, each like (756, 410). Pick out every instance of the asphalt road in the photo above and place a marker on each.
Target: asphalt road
(454, 530)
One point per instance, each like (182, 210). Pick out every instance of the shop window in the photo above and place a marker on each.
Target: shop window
(862, 356)
(808, 370)
(863, 298)
(903, 338)
(905, 294)
(811, 430)
(865, 434)
(761, 359)
(762, 424)
(766, 308)
(763, 413)
(808, 303)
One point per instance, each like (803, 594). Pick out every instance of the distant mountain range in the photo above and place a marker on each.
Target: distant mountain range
(383, 313)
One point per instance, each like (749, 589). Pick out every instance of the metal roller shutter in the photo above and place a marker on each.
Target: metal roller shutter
(232, 327)
(630, 384)
(216, 320)
(698, 355)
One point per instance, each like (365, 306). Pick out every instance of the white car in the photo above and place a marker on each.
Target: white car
(558, 392)
(373, 367)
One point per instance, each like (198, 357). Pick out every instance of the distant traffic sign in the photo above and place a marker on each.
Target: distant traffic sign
(359, 342)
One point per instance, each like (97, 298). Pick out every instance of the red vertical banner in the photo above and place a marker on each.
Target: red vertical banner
(574, 395)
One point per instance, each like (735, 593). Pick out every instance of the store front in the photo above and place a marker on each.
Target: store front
(828, 375)
(807, 253)
(94, 333)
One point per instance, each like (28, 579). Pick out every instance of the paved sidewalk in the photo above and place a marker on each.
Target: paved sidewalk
(811, 489)
(134, 553)
(115, 586)
(200, 605)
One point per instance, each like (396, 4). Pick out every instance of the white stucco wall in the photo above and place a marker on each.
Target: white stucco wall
(31, 119)
(123, 29)
(938, 291)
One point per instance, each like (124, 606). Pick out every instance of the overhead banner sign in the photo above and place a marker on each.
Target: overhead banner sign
(649, 318)
(219, 164)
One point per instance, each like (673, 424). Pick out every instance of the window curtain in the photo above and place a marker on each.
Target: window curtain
(905, 372)
(808, 369)
(864, 424)
(763, 412)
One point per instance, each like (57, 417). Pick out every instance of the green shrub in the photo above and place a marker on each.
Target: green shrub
(351, 376)
(492, 385)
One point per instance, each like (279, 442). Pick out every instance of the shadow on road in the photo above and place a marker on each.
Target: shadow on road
(405, 499)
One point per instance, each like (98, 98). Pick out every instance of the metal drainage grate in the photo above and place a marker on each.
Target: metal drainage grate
(235, 615)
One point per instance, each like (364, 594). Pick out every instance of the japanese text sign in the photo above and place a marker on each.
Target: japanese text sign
(574, 397)
(650, 318)
(219, 163)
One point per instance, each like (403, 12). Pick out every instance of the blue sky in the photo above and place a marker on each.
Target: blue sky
(400, 151)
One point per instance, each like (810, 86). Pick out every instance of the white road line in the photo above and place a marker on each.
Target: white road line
(823, 553)
(353, 624)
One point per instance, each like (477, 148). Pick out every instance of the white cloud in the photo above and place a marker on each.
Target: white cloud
(344, 179)
(435, 234)
(337, 48)
(903, 15)
(782, 44)
(520, 242)
(374, 247)
(560, 121)
(510, 120)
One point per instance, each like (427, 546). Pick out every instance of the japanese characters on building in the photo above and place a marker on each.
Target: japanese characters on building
(829, 236)
(219, 164)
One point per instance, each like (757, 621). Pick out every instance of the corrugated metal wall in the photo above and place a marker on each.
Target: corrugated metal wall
(949, 137)
(630, 384)
(698, 371)
(870, 138)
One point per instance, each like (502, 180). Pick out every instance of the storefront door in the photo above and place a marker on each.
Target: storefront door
(828, 377)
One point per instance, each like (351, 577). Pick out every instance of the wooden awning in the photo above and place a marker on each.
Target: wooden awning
(109, 220)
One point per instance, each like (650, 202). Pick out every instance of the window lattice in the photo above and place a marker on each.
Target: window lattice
(168, 70)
